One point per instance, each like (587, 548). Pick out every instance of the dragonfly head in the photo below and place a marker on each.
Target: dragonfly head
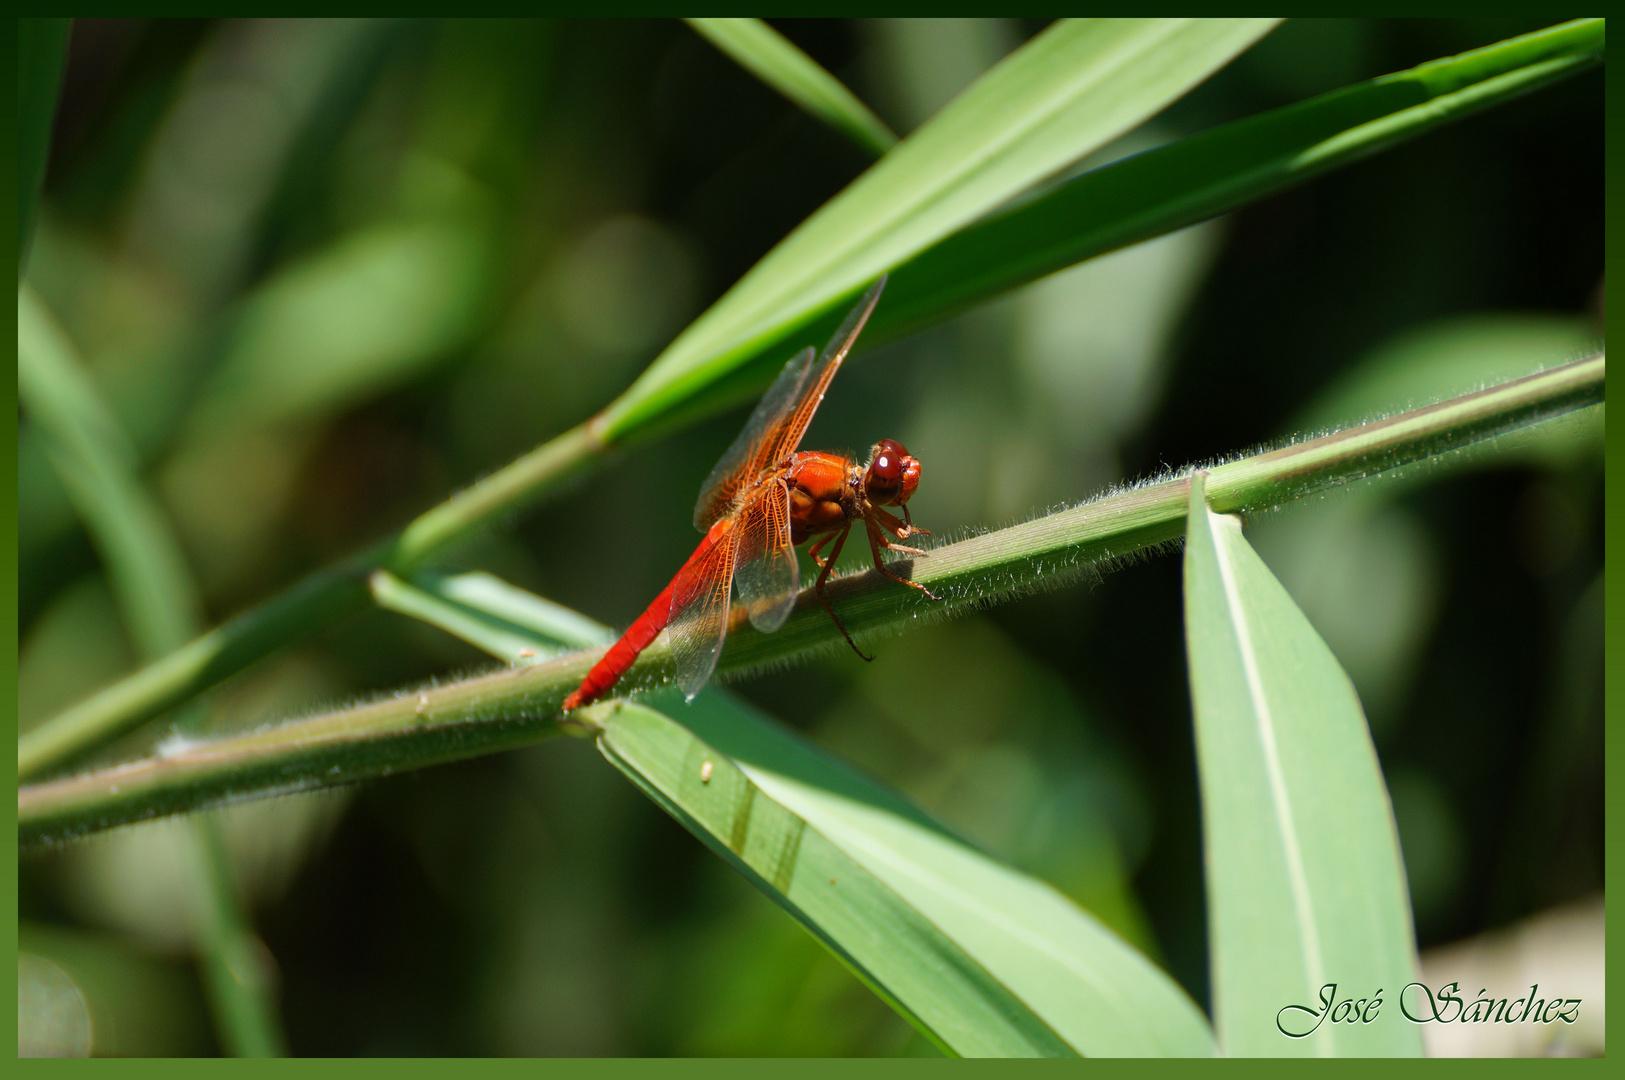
(891, 475)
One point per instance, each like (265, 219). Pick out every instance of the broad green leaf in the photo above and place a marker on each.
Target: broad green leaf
(42, 46)
(899, 868)
(1305, 887)
(763, 51)
(984, 959)
(1067, 92)
(1162, 190)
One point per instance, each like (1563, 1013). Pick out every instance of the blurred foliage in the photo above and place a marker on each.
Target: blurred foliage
(326, 272)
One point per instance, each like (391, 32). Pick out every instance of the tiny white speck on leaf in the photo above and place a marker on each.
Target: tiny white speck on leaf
(705, 773)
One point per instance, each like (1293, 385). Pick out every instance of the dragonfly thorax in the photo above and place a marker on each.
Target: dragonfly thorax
(826, 491)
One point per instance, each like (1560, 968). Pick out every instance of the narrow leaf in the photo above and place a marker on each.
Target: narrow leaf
(1162, 190)
(765, 52)
(98, 466)
(984, 959)
(498, 636)
(1307, 905)
(1067, 92)
(1088, 985)
(554, 623)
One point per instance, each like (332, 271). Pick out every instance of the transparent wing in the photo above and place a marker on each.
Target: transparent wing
(776, 427)
(765, 571)
(786, 436)
(699, 613)
(740, 465)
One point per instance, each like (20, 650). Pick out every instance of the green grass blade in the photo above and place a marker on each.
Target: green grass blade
(1304, 881)
(98, 467)
(159, 604)
(487, 593)
(489, 614)
(764, 52)
(515, 706)
(1067, 92)
(1157, 192)
(42, 47)
(1142, 197)
(241, 985)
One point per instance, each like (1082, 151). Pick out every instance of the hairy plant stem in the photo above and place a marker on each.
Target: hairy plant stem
(515, 706)
(1105, 209)
(321, 598)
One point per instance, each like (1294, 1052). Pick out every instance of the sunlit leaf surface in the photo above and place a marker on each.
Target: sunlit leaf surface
(986, 959)
(1306, 890)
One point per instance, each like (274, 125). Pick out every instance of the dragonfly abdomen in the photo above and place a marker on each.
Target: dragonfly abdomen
(644, 629)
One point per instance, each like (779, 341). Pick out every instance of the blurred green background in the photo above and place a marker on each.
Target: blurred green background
(327, 272)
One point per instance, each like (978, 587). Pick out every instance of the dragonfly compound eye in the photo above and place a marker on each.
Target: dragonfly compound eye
(911, 478)
(892, 473)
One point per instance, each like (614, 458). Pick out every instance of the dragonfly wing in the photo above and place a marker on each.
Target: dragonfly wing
(786, 436)
(765, 571)
(740, 465)
(699, 613)
(775, 429)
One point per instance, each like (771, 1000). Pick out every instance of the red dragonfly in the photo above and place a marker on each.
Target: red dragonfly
(763, 498)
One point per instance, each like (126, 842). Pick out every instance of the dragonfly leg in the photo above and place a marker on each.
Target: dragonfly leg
(877, 540)
(900, 529)
(817, 546)
(823, 576)
(907, 528)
